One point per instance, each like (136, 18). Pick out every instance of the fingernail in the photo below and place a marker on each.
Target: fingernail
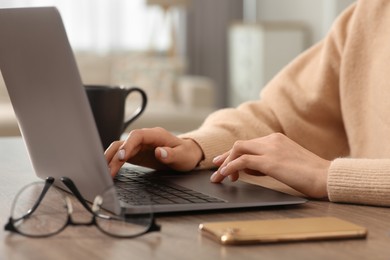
(121, 154)
(216, 159)
(164, 153)
(213, 176)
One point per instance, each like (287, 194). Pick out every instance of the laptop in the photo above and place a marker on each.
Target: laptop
(58, 128)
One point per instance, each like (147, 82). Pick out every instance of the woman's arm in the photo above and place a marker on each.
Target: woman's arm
(302, 102)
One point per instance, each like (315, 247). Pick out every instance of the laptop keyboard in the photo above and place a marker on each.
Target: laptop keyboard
(132, 187)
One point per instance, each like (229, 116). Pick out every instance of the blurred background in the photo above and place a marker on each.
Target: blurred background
(190, 56)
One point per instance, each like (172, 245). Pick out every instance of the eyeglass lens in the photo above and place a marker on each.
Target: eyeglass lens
(49, 216)
(122, 224)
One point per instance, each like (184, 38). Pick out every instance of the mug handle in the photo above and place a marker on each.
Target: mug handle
(139, 110)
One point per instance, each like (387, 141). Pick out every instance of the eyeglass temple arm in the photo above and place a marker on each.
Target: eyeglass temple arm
(48, 182)
(72, 187)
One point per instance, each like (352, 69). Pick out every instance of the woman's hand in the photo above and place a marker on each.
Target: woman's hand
(277, 156)
(155, 148)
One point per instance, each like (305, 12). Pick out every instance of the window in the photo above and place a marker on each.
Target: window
(104, 25)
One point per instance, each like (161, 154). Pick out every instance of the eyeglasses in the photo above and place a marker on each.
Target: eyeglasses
(41, 210)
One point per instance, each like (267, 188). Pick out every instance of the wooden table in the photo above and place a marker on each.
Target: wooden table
(179, 237)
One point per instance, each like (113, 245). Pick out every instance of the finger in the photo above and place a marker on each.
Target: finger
(174, 157)
(226, 158)
(245, 163)
(115, 167)
(218, 160)
(234, 176)
(217, 177)
(112, 150)
(240, 148)
(115, 164)
(232, 169)
(153, 137)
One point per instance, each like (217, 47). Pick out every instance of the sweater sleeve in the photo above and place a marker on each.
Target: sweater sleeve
(302, 101)
(361, 181)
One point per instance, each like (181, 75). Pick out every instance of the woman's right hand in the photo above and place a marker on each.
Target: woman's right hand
(154, 148)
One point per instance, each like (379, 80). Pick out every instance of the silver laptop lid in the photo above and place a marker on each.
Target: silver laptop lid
(50, 103)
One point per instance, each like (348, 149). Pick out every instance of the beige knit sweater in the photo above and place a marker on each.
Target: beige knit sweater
(334, 100)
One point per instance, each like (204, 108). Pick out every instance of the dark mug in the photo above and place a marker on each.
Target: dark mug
(108, 107)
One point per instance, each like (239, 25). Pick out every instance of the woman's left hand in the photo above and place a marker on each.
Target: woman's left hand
(277, 156)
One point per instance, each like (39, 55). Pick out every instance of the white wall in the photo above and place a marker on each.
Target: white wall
(318, 15)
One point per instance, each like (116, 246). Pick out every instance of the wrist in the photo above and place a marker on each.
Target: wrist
(195, 151)
(321, 190)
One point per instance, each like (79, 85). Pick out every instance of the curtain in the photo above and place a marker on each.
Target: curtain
(106, 25)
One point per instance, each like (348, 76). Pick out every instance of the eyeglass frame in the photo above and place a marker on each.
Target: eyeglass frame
(153, 226)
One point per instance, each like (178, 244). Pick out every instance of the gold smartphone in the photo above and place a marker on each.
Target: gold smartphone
(281, 230)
